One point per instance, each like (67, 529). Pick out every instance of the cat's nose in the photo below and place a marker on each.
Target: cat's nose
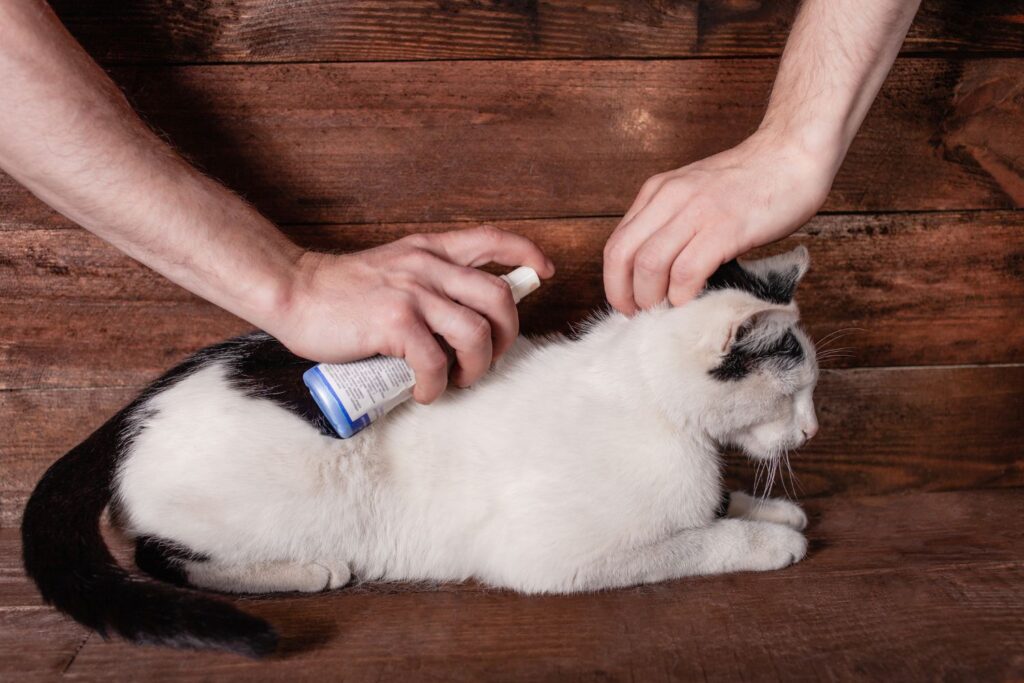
(809, 431)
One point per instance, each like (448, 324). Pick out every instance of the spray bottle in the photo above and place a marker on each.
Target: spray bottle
(354, 395)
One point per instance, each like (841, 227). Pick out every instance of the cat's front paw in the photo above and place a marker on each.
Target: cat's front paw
(773, 546)
(773, 510)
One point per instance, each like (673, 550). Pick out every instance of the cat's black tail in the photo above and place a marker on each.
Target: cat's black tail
(66, 556)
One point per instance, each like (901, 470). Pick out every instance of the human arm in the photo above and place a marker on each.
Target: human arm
(685, 223)
(69, 135)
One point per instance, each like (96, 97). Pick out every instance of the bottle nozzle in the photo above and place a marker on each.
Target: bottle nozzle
(521, 281)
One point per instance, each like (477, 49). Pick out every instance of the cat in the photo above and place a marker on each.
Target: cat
(575, 465)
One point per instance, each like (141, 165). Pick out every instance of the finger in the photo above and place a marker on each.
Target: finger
(692, 268)
(486, 294)
(620, 252)
(465, 330)
(428, 361)
(643, 197)
(486, 244)
(653, 263)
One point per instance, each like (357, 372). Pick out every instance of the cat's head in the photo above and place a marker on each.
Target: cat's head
(749, 369)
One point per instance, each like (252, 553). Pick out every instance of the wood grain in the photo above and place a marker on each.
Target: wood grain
(910, 289)
(913, 587)
(36, 643)
(438, 141)
(197, 31)
(882, 431)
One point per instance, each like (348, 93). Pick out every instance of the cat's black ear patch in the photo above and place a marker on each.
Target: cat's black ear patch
(777, 287)
(785, 353)
(773, 279)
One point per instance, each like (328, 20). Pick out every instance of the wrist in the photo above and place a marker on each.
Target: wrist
(273, 297)
(814, 144)
(810, 157)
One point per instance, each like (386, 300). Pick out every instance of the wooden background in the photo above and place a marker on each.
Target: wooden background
(351, 123)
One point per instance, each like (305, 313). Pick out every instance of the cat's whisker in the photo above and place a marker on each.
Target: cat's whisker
(832, 352)
(792, 492)
(757, 476)
(826, 359)
(792, 476)
(834, 336)
(773, 464)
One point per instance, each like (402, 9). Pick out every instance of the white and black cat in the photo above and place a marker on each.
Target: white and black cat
(575, 465)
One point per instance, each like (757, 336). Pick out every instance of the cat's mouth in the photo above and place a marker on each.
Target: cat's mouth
(755, 449)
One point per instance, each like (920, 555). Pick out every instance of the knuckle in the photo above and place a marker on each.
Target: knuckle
(681, 272)
(497, 291)
(489, 232)
(479, 331)
(652, 183)
(674, 187)
(401, 313)
(615, 251)
(435, 361)
(649, 262)
(416, 241)
(417, 260)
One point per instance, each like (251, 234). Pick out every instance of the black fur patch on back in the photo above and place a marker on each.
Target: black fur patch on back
(263, 368)
(774, 287)
(743, 358)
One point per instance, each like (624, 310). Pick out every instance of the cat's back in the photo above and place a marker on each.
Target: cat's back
(208, 458)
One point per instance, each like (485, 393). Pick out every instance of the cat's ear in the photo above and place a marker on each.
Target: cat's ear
(781, 273)
(760, 322)
(731, 323)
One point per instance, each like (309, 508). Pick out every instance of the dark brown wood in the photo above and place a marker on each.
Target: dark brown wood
(153, 31)
(915, 587)
(36, 643)
(923, 586)
(888, 430)
(85, 345)
(356, 143)
(882, 430)
(910, 289)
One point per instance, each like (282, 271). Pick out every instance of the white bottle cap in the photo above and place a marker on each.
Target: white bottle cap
(521, 281)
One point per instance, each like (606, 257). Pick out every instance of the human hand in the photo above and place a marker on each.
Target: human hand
(685, 223)
(394, 298)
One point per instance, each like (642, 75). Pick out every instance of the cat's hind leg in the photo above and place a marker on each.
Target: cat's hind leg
(774, 510)
(172, 563)
(266, 577)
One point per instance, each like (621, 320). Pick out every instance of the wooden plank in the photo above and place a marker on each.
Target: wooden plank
(882, 431)
(37, 644)
(438, 141)
(152, 31)
(887, 430)
(136, 342)
(849, 534)
(934, 571)
(919, 289)
(907, 617)
(39, 426)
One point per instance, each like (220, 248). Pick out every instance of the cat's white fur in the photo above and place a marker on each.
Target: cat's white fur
(574, 465)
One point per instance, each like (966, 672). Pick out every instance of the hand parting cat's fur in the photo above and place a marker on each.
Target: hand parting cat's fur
(575, 465)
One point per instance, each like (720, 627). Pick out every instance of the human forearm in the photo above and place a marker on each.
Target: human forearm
(68, 134)
(834, 63)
